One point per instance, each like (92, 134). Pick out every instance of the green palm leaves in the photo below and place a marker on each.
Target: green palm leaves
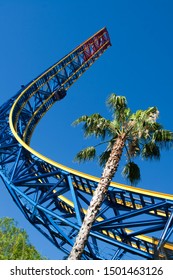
(132, 172)
(144, 136)
(86, 154)
(94, 125)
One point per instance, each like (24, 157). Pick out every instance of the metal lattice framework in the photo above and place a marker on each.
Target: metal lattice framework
(53, 197)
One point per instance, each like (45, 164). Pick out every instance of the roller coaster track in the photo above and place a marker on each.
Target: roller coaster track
(132, 222)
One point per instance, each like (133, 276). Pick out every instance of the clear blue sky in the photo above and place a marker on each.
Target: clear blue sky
(37, 33)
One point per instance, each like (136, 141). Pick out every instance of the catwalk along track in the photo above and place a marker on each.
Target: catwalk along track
(132, 222)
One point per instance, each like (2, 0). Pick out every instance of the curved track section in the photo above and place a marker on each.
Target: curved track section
(132, 222)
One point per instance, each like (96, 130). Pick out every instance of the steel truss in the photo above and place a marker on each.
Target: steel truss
(54, 198)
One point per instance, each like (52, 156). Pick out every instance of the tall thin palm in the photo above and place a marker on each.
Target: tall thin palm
(138, 134)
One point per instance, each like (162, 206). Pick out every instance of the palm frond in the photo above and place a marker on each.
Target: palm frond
(150, 151)
(127, 113)
(80, 120)
(143, 123)
(118, 104)
(88, 153)
(131, 172)
(103, 158)
(116, 125)
(163, 137)
(94, 125)
(97, 126)
(133, 147)
(152, 113)
(149, 114)
(115, 102)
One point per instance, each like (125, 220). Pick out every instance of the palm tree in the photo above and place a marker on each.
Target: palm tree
(138, 134)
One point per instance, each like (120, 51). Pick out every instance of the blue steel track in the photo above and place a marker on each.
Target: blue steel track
(132, 222)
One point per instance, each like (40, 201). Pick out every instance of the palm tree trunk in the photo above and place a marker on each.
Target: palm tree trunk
(98, 197)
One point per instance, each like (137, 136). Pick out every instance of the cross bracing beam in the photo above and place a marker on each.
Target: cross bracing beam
(53, 197)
